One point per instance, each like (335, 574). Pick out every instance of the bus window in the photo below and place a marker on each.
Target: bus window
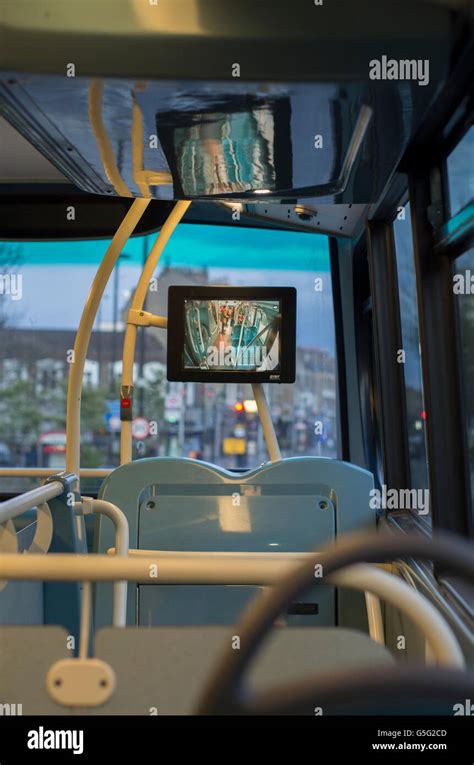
(218, 422)
(461, 173)
(411, 346)
(39, 316)
(463, 286)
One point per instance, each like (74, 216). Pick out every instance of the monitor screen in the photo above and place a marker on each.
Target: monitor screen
(225, 334)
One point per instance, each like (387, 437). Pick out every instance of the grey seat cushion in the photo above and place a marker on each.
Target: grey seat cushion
(163, 670)
(26, 654)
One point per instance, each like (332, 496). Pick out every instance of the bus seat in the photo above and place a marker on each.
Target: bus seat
(186, 505)
(21, 602)
(49, 602)
(62, 600)
(170, 664)
(26, 654)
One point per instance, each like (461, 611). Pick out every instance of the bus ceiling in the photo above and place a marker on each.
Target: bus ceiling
(34, 194)
(264, 113)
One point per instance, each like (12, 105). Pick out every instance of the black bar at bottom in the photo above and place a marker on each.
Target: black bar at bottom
(111, 739)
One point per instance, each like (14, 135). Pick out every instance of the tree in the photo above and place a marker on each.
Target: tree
(20, 414)
(154, 397)
(25, 415)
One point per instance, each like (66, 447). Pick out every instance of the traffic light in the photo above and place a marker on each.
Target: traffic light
(239, 413)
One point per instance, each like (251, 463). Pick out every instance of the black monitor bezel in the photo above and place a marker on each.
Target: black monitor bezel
(176, 372)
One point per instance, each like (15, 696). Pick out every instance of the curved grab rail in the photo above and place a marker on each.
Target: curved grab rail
(446, 550)
(235, 568)
(19, 472)
(11, 508)
(122, 541)
(37, 498)
(81, 344)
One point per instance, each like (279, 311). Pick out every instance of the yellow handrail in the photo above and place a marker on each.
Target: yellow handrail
(137, 304)
(81, 345)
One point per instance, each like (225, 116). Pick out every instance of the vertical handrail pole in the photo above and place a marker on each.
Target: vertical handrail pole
(122, 543)
(131, 329)
(268, 427)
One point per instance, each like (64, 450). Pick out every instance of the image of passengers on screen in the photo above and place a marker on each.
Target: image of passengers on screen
(227, 335)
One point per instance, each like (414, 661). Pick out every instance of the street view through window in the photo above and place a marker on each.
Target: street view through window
(44, 287)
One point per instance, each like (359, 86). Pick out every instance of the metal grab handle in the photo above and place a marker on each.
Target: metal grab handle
(11, 508)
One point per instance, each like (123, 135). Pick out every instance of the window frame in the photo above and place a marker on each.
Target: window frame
(342, 410)
(387, 334)
(437, 242)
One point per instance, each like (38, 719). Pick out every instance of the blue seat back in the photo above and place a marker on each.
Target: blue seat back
(294, 505)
